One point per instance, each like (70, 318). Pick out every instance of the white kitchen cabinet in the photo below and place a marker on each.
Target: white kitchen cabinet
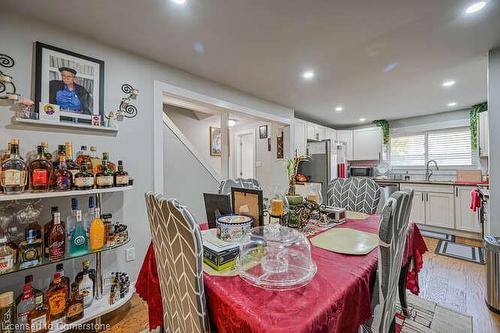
(417, 214)
(312, 131)
(321, 132)
(331, 134)
(483, 134)
(465, 218)
(367, 144)
(345, 136)
(300, 137)
(440, 209)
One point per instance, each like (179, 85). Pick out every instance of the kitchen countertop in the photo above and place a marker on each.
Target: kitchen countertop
(431, 182)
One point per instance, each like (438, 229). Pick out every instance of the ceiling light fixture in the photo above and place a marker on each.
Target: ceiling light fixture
(390, 67)
(362, 119)
(308, 75)
(475, 7)
(199, 47)
(339, 109)
(231, 122)
(451, 104)
(448, 83)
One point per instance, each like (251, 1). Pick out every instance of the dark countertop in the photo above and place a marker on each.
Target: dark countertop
(431, 182)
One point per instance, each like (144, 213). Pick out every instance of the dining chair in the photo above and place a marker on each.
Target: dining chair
(356, 194)
(179, 257)
(392, 240)
(250, 183)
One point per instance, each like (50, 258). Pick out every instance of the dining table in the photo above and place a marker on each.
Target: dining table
(337, 299)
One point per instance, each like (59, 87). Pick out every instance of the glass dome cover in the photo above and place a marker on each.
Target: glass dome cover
(275, 257)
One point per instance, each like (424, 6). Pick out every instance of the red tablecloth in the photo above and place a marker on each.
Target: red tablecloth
(336, 300)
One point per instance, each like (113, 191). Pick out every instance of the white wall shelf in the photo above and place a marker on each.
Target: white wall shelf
(98, 308)
(43, 195)
(42, 123)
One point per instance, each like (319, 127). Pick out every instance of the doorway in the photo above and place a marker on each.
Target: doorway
(245, 155)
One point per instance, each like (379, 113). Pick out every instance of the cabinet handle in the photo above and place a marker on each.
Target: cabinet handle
(427, 196)
(422, 196)
(456, 192)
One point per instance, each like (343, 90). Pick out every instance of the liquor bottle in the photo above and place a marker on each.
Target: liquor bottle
(89, 215)
(97, 232)
(6, 258)
(24, 306)
(39, 317)
(13, 171)
(40, 172)
(108, 229)
(86, 283)
(46, 230)
(33, 228)
(31, 249)
(12, 242)
(57, 296)
(78, 240)
(121, 176)
(71, 218)
(7, 312)
(60, 153)
(61, 176)
(57, 239)
(83, 157)
(104, 178)
(70, 163)
(65, 280)
(74, 311)
(84, 180)
(111, 165)
(95, 160)
(46, 152)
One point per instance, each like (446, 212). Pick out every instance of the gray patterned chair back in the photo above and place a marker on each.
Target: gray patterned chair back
(179, 258)
(355, 194)
(250, 183)
(392, 240)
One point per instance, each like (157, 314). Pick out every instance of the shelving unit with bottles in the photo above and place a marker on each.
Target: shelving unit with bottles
(101, 305)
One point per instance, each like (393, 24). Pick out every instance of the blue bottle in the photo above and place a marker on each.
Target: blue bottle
(79, 240)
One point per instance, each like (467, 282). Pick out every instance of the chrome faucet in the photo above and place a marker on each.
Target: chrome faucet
(428, 171)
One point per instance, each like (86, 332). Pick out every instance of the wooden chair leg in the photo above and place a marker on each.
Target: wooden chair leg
(402, 288)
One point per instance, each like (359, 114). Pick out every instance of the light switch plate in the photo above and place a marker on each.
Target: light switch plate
(130, 254)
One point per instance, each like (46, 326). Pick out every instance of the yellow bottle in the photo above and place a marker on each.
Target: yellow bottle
(97, 231)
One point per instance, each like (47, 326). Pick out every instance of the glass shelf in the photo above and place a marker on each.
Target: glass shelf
(46, 261)
(52, 194)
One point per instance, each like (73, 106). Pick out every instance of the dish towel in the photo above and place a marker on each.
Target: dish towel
(475, 202)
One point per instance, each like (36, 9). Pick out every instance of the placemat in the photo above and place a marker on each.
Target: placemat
(346, 241)
(356, 215)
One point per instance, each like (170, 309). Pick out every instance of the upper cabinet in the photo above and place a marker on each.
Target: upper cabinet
(315, 132)
(305, 130)
(483, 134)
(367, 144)
(346, 136)
(300, 137)
(330, 134)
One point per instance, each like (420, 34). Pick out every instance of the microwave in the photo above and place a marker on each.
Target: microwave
(361, 171)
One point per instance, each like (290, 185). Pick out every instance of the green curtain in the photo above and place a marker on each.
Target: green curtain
(474, 114)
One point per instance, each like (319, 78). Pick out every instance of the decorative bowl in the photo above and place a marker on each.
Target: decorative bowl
(231, 228)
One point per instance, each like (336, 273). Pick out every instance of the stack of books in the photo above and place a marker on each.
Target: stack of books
(218, 254)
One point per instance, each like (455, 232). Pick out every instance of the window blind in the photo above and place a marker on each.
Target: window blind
(450, 147)
(408, 150)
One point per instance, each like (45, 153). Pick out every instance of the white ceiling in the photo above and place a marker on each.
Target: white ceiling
(262, 46)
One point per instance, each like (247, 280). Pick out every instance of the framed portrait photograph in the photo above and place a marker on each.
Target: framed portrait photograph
(215, 141)
(248, 202)
(263, 132)
(72, 81)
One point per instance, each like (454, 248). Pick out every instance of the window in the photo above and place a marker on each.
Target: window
(450, 147)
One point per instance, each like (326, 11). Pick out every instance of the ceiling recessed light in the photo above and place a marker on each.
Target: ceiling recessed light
(199, 47)
(390, 67)
(231, 122)
(308, 75)
(339, 109)
(448, 83)
(475, 7)
(452, 104)
(362, 119)
(179, 2)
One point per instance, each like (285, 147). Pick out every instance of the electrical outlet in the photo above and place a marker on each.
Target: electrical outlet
(130, 254)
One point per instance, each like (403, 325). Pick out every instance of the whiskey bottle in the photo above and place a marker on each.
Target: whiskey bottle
(57, 239)
(60, 152)
(74, 311)
(111, 165)
(121, 176)
(28, 280)
(6, 258)
(46, 230)
(78, 240)
(40, 172)
(84, 180)
(95, 160)
(46, 152)
(39, 317)
(13, 171)
(62, 177)
(7, 312)
(70, 163)
(57, 297)
(65, 280)
(30, 250)
(24, 306)
(97, 232)
(83, 157)
(86, 283)
(104, 178)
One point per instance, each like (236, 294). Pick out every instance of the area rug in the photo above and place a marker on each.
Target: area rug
(461, 251)
(438, 235)
(429, 317)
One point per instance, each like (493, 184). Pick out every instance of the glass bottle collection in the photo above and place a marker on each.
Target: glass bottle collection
(40, 173)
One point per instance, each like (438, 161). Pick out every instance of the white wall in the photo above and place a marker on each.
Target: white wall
(494, 125)
(134, 142)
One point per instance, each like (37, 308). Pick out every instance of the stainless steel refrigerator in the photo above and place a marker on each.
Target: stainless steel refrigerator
(321, 166)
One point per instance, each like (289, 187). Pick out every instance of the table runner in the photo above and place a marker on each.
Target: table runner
(336, 300)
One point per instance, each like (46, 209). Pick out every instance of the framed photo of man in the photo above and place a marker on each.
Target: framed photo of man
(72, 81)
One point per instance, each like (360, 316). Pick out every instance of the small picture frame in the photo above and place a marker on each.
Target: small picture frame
(248, 202)
(96, 120)
(215, 141)
(49, 112)
(263, 132)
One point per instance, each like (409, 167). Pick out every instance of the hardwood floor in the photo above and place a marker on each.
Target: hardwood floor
(453, 283)
(458, 285)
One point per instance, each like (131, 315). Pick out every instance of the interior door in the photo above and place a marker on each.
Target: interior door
(245, 158)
